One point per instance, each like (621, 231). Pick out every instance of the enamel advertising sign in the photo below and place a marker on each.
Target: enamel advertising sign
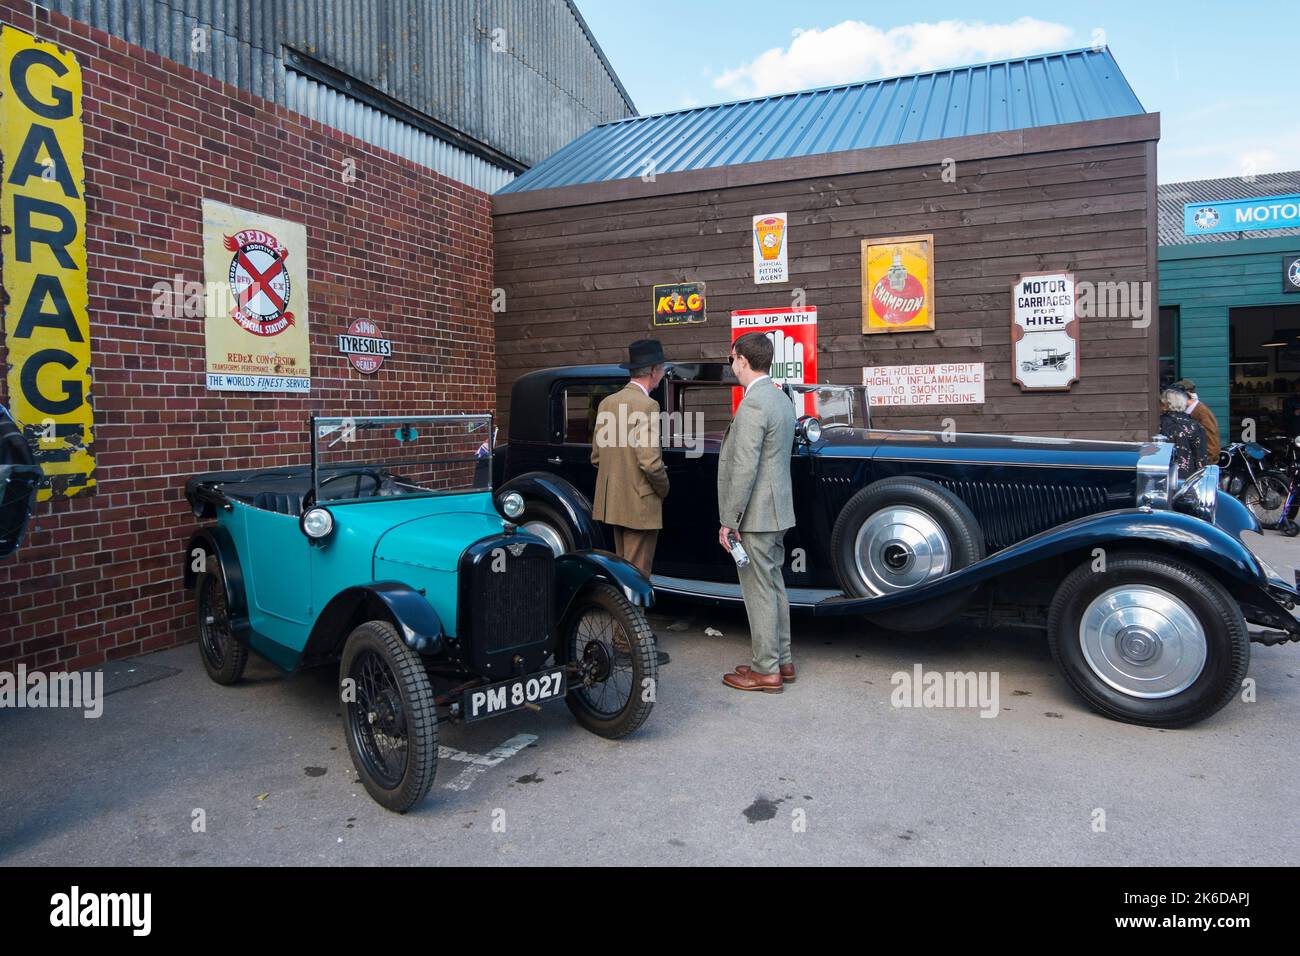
(680, 303)
(256, 330)
(43, 212)
(364, 346)
(958, 383)
(898, 284)
(770, 239)
(1044, 332)
(793, 332)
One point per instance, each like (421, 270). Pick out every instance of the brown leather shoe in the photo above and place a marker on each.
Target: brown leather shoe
(767, 683)
(787, 672)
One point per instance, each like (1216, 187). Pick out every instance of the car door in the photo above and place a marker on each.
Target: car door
(572, 424)
(277, 575)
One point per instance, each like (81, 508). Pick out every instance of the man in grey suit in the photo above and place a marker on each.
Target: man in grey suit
(756, 507)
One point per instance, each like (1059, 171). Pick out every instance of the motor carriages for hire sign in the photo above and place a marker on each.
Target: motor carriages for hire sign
(43, 208)
(256, 330)
(1044, 332)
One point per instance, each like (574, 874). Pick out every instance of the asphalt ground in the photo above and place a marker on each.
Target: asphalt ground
(829, 772)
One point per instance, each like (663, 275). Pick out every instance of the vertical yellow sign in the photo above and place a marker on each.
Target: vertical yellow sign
(43, 209)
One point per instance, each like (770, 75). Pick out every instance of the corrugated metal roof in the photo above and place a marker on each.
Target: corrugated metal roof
(1032, 91)
(1171, 197)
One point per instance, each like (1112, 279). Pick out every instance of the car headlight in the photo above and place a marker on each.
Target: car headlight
(512, 505)
(809, 429)
(1199, 494)
(317, 524)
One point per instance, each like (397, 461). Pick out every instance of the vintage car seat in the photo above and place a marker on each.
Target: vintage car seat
(285, 503)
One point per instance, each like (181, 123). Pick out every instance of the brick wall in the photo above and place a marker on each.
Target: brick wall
(99, 574)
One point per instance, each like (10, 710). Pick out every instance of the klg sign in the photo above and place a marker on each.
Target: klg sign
(679, 303)
(43, 208)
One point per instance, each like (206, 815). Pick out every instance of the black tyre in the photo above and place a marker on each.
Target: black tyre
(899, 533)
(1268, 499)
(549, 525)
(610, 640)
(389, 717)
(223, 656)
(1290, 529)
(1149, 640)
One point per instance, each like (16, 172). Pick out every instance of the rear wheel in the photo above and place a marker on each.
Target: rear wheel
(1266, 497)
(900, 533)
(610, 640)
(1149, 640)
(388, 716)
(223, 656)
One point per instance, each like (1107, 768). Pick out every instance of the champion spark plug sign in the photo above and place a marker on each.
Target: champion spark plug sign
(898, 284)
(43, 210)
(793, 332)
(365, 348)
(256, 330)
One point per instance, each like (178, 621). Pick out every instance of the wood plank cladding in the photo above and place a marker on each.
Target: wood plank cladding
(577, 264)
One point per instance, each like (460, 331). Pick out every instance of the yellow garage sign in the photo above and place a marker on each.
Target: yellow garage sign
(43, 208)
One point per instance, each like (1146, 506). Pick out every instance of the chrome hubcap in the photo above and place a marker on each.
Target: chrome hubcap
(552, 537)
(1142, 641)
(899, 548)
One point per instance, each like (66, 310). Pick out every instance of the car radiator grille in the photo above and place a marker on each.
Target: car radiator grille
(1012, 511)
(511, 609)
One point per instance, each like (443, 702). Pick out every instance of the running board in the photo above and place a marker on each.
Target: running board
(717, 591)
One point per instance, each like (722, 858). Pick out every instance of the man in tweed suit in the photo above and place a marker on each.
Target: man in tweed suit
(756, 506)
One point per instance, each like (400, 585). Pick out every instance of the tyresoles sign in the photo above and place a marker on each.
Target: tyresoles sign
(43, 208)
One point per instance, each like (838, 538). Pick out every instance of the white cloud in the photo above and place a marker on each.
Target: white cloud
(853, 50)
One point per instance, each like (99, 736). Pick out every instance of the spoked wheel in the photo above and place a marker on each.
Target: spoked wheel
(389, 716)
(1267, 501)
(610, 640)
(1149, 640)
(223, 656)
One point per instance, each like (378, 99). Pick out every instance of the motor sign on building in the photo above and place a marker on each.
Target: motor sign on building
(1241, 215)
(959, 383)
(256, 332)
(1044, 332)
(43, 210)
(793, 332)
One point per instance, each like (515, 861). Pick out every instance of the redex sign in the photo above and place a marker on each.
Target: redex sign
(43, 208)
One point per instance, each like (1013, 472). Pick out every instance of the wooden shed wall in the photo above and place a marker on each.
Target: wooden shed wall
(577, 264)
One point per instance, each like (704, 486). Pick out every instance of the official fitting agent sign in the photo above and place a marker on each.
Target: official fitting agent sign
(770, 239)
(43, 210)
(256, 330)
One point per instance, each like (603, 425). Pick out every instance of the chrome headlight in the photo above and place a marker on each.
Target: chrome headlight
(1199, 494)
(317, 524)
(512, 505)
(808, 429)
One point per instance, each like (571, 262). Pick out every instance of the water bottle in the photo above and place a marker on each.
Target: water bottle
(737, 551)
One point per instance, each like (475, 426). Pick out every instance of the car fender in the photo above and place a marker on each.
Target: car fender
(565, 498)
(216, 540)
(574, 570)
(1170, 532)
(406, 609)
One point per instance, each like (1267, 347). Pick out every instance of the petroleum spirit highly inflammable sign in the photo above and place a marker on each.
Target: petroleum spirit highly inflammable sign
(898, 284)
(256, 331)
(43, 209)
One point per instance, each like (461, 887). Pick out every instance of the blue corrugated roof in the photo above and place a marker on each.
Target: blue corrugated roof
(1032, 91)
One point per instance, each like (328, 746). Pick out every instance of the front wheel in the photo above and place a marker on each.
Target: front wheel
(1149, 640)
(224, 657)
(388, 716)
(610, 641)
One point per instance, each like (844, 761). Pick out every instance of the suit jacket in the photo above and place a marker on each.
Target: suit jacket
(754, 466)
(1207, 421)
(631, 480)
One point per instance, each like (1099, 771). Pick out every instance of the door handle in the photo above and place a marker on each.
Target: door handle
(557, 460)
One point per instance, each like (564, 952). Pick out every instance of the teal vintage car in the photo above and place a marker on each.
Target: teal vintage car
(390, 555)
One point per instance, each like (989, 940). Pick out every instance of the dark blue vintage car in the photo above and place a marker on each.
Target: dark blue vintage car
(1139, 575)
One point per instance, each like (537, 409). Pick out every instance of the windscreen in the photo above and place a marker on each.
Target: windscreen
(357, 458)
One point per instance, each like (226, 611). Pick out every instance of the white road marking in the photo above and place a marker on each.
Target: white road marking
(476, 764)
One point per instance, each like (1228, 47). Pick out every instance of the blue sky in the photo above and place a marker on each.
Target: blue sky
(1224, 76)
